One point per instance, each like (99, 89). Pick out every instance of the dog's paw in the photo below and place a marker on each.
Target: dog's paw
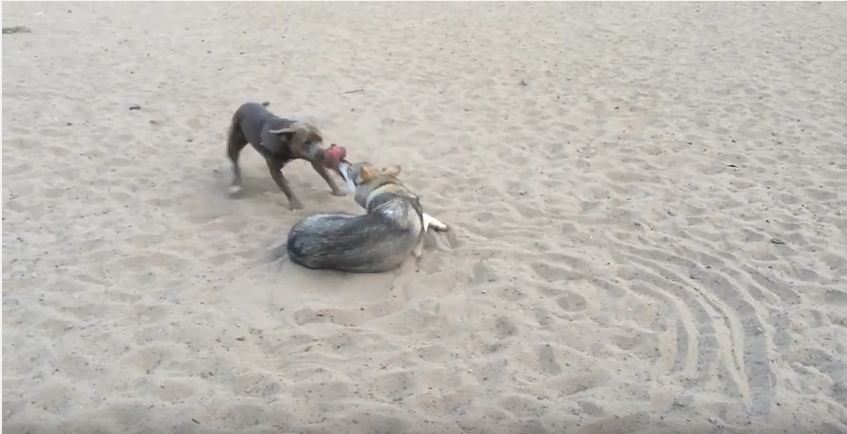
(339, 193)
(234, 190)
(439, 228)
(294, 205)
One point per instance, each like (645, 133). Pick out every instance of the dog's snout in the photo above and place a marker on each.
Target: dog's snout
(314, 152)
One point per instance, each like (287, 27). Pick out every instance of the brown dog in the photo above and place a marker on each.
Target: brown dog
(279, 141)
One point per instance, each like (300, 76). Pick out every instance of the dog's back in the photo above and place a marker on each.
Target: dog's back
(251, 118)
(374, 242)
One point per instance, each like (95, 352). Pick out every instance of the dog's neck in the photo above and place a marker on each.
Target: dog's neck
(382, 200)
(365, 198)
(379, 199)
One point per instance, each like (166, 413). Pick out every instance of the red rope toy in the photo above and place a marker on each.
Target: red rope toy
(334, 156)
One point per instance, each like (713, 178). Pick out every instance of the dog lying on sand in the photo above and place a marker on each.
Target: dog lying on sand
(279, 141)
(380, 240)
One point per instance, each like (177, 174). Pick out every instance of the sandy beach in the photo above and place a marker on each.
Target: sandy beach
(647, 202)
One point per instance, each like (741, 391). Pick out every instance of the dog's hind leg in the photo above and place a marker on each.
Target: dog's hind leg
(418, 251)
(234, 144)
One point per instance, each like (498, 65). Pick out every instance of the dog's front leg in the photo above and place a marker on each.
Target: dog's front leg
(418, 251)
(428, 222)
(276, 174)
(432, 222)
(319, 167)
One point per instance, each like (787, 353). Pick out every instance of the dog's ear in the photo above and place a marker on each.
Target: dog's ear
(284, 133)
(391, 170)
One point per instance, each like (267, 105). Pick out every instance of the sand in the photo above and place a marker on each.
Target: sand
(647, 202)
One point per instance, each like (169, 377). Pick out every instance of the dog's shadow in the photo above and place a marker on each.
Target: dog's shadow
(253, 183)
(251, 187)
(256, 183)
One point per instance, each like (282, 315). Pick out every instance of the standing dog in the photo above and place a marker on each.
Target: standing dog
(279, 141)
(380, 240)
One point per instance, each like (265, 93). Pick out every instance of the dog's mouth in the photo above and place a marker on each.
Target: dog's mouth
(345, 169)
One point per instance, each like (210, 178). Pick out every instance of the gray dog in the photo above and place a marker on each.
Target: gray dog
(279, 141)
(380, 240)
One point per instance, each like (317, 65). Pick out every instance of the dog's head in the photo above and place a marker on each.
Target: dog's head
(367, 178)
(303, 139)
(368, 174)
